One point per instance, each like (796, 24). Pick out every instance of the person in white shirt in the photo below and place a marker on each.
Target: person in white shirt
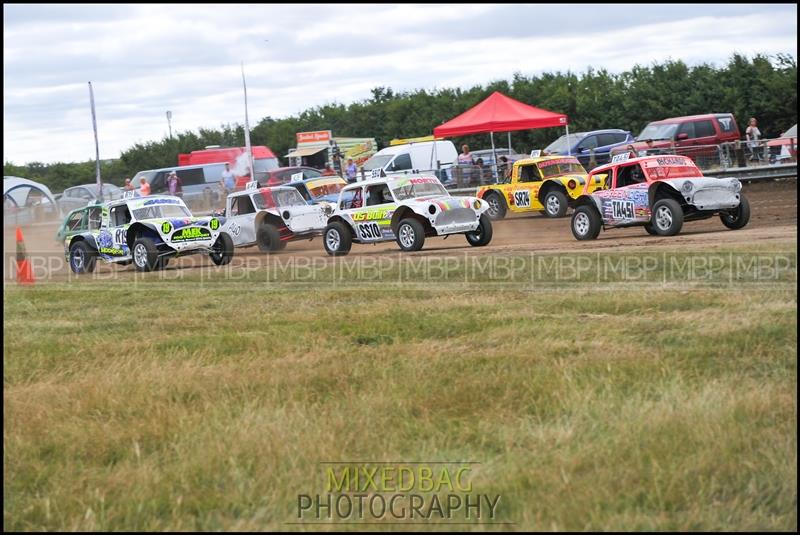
(228, 179)
(753, 134)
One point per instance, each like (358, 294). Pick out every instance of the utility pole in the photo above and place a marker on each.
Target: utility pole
(169, 123)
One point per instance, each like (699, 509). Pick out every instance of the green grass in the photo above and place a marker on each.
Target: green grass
(178, 405)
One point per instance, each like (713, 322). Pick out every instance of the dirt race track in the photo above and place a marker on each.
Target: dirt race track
(773, 218)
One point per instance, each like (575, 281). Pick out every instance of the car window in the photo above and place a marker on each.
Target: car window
(726, 123)
(620, 138)
(529, 173)
(401, 163)
(120, 215)
(191, 177)
(311, 173)
(242, 205)
(75, 221)
(378, 194)
(589, 142)
(95, 217)
(603, 140)
(355, 201)
(703, 128)
(159, 182)
(687, 128)
(629, 175)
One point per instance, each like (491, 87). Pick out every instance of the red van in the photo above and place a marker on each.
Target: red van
(690, 135)
(263, 160)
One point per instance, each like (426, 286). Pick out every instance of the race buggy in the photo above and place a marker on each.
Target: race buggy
(273, 216)
(659, 193)
(147, 231)
(545, 183)
(405, 209)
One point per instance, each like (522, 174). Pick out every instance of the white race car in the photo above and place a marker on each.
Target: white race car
(147, 231)
(405, 209)
(271, 217)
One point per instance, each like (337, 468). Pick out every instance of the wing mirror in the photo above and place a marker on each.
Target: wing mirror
(683, 136)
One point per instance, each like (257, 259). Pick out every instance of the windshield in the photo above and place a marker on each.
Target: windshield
(560, 145)
(161, 211)
(562, 166)
(658, 131)
(323, 188)
(271, 198)
(265, 164)
(378, 161)
(418, 187)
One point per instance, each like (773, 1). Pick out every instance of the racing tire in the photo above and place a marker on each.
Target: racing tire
(586, 223)
(555, 204)
(337, 239)
(483, 234)
(82, 258)
(268, 238)
(739, 216)
(223, 250)
(667, 218)
(497, 206)
(650, 230)
(163, 262)
(410, 235)
(145, 254)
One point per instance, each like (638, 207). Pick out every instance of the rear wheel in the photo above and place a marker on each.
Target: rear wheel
(483, 234)
(410, 235)
(497, 205)
(222, 250)
(586, 223)
(145, 254)
(739, 216)
(555, 203)
(650, 230)
(667, 218)
(337, 239)
(268, 238)
(82, 258)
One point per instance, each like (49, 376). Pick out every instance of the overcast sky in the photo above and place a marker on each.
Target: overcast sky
(144, 59)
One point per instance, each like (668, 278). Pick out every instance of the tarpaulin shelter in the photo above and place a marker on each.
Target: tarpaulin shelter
(500, 113)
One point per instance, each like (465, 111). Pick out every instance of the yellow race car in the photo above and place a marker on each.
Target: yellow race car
(547, 183)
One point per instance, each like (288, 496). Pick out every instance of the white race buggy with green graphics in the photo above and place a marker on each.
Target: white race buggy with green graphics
(406, 209)
(148, 231)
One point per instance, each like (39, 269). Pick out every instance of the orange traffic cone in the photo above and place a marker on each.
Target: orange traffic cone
(24, 272)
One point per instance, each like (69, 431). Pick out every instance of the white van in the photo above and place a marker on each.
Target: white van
(413, 158)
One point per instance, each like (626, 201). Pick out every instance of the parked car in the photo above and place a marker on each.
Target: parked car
(283, 175)
(784, 147)
(405, 209)
(546, 183)
(581, 145)
(271, 217)
(693, 135)
(80, 220)
(147, 231)
(658, 193)
(80, 196)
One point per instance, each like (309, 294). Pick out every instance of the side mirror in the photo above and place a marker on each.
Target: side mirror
(683, 136)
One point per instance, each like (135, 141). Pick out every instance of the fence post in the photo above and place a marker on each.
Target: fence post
(592, 159)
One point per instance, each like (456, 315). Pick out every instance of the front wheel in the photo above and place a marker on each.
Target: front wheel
(145, 254)
(483, 234)
(586, 223)
(497, 206)
(222, 250)
(82, 258)
(555, 204)
(650, 229)
(739, 216)
(667, 218)
(337, 239)
(410, 235)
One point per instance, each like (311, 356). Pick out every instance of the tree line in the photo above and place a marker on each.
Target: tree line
(763, 86)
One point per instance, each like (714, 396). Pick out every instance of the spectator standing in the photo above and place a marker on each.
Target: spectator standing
(228, 180)
(351, 171)
(753, 134)
(328, 171)
(128, 186)
(144, 189)
(465, 158)
(174, 184)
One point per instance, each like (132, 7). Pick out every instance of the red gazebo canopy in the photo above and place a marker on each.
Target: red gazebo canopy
(499, 113)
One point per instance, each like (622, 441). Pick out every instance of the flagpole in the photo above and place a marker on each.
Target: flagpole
(96, 146)
(247, 130)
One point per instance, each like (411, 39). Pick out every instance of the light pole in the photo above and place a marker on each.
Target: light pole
(169, 123)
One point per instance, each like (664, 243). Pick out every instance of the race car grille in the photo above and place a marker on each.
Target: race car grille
(456, 216)
(715, 197)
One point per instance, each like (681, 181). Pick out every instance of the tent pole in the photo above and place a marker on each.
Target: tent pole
(509, 143)
(494, 153)
(569, 148)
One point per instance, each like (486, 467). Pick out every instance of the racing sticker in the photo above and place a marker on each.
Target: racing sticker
(214, 224)
(165, 227)
(234, 228)
(522, 198)
(191, 234)
(369, 231)
(622, 209)
(378, 213)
